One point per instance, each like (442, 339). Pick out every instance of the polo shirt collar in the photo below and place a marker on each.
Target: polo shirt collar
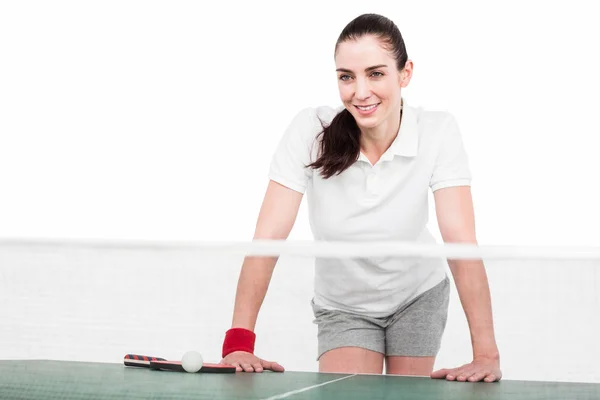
(406, 143)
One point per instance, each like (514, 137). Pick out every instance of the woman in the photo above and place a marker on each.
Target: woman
(367, 169)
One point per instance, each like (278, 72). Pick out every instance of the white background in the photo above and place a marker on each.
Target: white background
(147, 120)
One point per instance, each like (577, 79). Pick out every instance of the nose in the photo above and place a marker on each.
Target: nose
(362, 89)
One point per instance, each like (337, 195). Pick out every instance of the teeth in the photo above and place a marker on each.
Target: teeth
(367, 108)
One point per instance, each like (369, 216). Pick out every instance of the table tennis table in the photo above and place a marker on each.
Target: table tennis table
(48, 379)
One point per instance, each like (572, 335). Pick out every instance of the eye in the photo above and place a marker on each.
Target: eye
(344, 77)
(377, 74)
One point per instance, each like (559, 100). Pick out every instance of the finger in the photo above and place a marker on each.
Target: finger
(458, 374)
(237, 366)
(440, 373)
(478, 376)
(272, 366)
(464, 374)
(257, 367)
(452, 374)
(247, 367)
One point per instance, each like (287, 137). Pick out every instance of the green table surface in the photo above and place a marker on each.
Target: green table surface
(44, 379)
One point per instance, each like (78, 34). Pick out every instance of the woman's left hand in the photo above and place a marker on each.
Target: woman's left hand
(485, 369)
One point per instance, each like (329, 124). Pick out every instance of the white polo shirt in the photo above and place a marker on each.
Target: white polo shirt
(385, 201)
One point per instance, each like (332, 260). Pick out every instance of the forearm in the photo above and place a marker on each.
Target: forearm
(474, 293)
(253, 283)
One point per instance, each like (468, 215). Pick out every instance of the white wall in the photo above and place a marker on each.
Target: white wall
(135, 119)
(157, 120)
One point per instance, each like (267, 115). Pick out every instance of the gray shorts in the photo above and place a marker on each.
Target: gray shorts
(414, 330)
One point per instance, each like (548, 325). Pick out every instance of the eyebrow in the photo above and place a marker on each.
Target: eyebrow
(366, 69)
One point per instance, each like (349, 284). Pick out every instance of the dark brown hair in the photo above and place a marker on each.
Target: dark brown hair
(340, 140)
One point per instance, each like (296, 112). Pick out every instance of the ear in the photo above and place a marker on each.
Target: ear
(405, 75)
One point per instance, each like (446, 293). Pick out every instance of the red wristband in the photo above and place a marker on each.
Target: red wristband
(238, 339)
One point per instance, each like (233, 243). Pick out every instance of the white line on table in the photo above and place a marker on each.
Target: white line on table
(293, 392)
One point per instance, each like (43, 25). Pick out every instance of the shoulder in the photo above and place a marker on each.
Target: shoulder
(308, 123)
(302, 135)
(433, 119)
(435, 126)
(314, 118)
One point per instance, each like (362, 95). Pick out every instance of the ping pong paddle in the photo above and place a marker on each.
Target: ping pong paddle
(136, 360)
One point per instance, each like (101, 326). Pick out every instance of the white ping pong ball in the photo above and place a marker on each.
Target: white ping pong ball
(192, 361)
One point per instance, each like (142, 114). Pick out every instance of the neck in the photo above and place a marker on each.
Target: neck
(375, 141)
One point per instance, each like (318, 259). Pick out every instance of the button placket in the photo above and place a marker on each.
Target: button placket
(371, 182)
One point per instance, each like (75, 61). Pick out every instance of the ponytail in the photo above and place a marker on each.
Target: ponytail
(339, 146)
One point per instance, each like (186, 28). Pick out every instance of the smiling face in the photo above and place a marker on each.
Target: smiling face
(369, 81)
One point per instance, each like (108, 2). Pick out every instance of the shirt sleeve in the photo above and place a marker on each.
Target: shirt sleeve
(293, 153)
(451, 166)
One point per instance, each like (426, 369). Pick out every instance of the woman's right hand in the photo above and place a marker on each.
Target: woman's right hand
(248, 362)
